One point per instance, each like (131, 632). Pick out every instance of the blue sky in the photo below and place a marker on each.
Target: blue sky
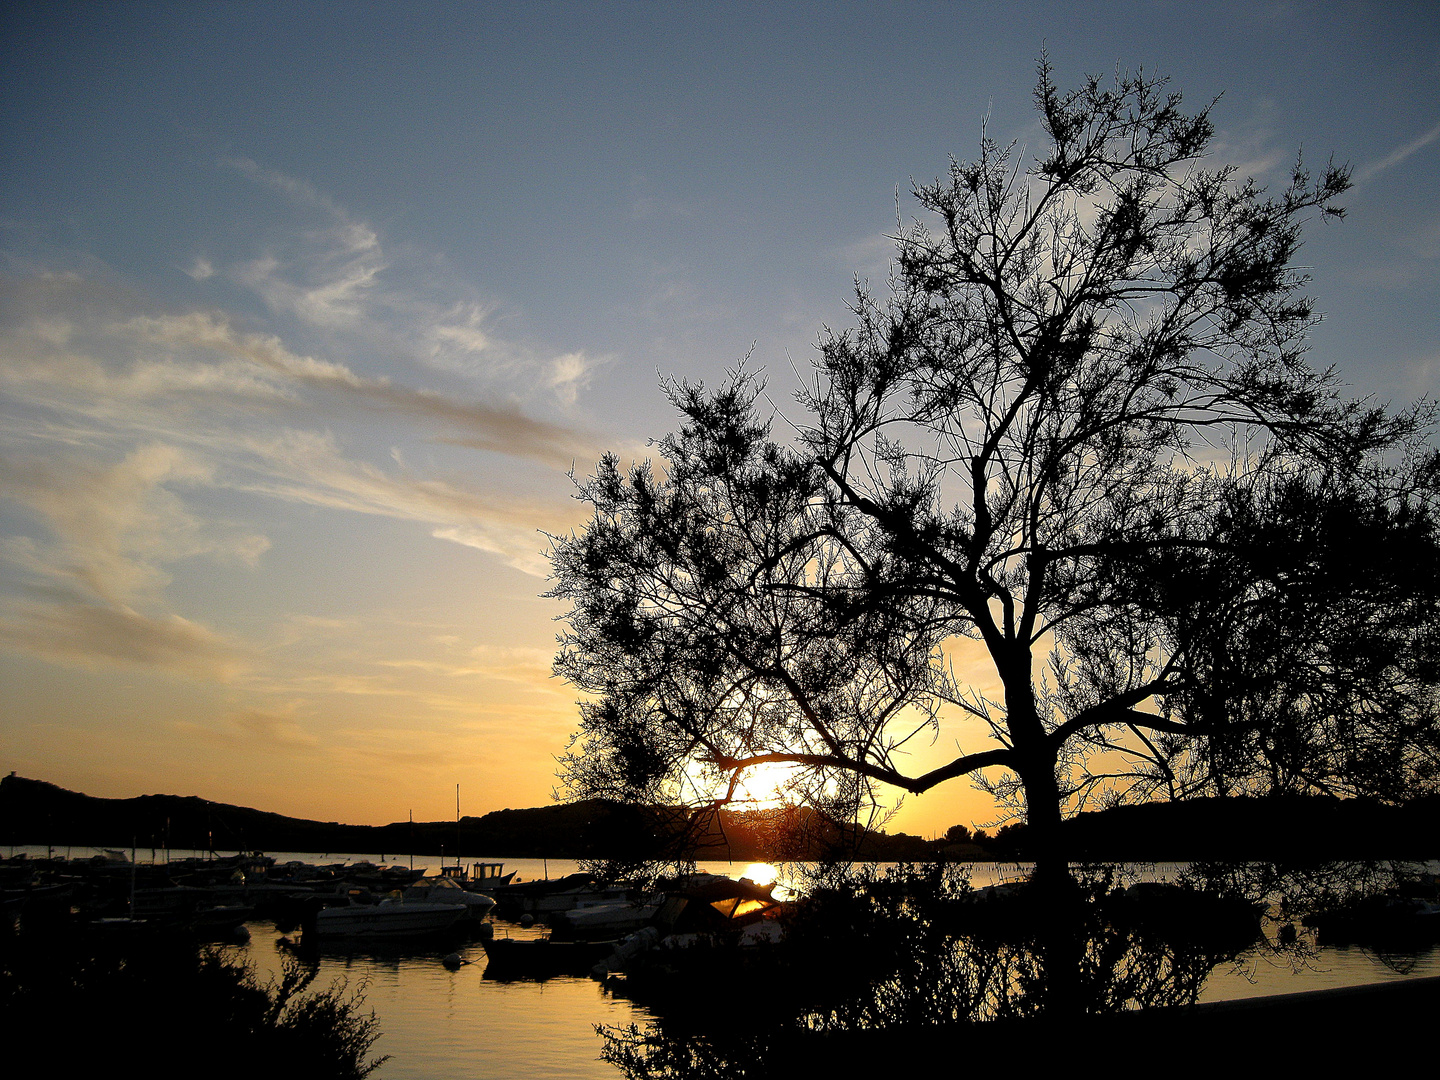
(307, 309)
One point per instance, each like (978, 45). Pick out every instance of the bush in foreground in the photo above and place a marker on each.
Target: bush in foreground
(154, 998)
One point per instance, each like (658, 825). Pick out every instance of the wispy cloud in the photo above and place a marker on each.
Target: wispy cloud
(119, 418)
(270, 728)
(338, 264)
(528, 666)
(246, 729)
(93, 583)
(308, 467)
(59, 343)
(499, 427)
(1251, 146)
(1396, 156)
(569, 374)
(115, 525)
(130, 428)
(869, 256)
(468, 337)
(86, 633)
(335, 274)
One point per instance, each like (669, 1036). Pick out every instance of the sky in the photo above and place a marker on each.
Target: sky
(308, 311)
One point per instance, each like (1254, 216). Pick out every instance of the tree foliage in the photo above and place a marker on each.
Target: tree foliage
(1080, 431)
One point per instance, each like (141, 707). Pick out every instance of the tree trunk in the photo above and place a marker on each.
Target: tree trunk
(1036, 763)
(1058, 933)
(1042, 814)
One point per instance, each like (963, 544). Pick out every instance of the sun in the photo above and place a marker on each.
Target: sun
(765, 786)
(768, 786)
(761, 873)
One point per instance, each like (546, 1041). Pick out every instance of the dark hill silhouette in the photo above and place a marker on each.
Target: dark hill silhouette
(36, 812)
(1275, 828)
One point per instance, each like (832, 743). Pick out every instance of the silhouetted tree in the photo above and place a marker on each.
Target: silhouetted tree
(1307, 628)
(1080, 426)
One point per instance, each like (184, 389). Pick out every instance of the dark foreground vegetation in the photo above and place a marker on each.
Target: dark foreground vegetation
(1351, 1029)
(879, 968)
(94, 997)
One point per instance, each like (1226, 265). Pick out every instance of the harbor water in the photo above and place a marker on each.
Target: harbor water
(435, 1021)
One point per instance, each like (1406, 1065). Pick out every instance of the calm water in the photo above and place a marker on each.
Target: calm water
(458, 1024)
(437, 1022)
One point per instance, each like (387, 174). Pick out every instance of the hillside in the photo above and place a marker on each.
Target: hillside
(36, 812)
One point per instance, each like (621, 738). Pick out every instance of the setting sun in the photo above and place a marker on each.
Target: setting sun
(765, 786)
(761, 873)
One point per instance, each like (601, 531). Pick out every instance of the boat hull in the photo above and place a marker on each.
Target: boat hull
(389, 920)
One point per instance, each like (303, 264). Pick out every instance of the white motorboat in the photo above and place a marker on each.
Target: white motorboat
(597, 919)
(446, 890)
(569, 899)
(389, 918)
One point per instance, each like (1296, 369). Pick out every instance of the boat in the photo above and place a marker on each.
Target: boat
(390, 918)
(545, 898)
(606, 919)
(447, 890)
(483, 876)
(381, 878)
(708, 930)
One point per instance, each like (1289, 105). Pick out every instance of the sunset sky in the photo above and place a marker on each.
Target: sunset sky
(307, 310)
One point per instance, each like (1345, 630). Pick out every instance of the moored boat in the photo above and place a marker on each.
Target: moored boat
(607, 919)
(482, 877)
(544, 898)
(446, 890)
(388, 919)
